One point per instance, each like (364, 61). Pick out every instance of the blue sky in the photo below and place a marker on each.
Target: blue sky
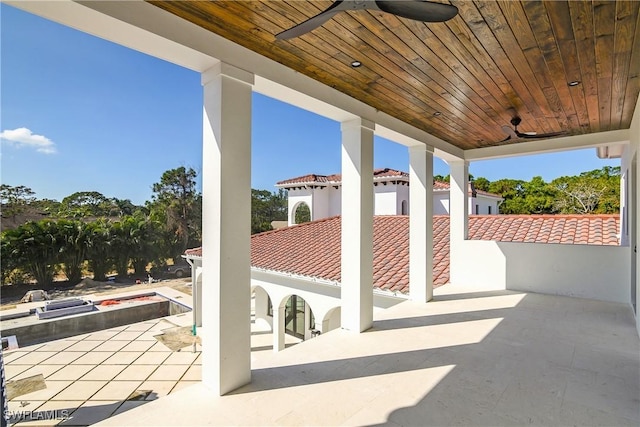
(78, 113)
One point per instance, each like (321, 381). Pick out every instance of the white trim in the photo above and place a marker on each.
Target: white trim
(325, 282)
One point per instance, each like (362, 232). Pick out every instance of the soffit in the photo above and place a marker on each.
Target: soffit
(495, 60)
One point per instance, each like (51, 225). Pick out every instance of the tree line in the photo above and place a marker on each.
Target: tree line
(89, 231)
(592, 192)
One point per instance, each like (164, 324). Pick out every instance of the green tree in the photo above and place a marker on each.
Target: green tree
(47, 206)
(143, 232)
(33, 247)
(481, 183)
(74, 243)
(87, 203)
(539, 196)
(99, 244)
(14, 200)
(303, 214)
(123, 244)
(596, 191)
(267, 207)
(174, 202)
(512, 190)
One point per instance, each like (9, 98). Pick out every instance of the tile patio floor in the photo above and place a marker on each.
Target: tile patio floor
(467, 358)
(93, 376)
(90, 376)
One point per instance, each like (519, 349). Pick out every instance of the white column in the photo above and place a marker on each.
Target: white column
(458, 215)
(634, 193)
(197, 293)
(226, 215)
(421, 223)
(278, 328)
(357, 225)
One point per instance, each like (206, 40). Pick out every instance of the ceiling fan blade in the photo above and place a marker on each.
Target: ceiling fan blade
(510, 132)
(418, 10)
(533, 135)
(313, 22)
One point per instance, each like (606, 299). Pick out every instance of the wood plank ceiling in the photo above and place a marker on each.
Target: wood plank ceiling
(464, 79)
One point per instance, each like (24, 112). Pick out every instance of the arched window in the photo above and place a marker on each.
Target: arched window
(403, 208)
(302, 213)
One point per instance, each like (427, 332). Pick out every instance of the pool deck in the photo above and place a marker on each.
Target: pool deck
(467, 358)
(93, 376)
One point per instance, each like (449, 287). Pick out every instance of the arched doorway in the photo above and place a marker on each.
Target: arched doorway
(298, 317)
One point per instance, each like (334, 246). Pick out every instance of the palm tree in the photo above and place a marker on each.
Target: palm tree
(99, 235)
(73, 250)
(34, 247)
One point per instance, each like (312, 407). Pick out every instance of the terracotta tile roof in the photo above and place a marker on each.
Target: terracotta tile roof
(441, 185)
(313, 249)
(445, 186)
(337, 178)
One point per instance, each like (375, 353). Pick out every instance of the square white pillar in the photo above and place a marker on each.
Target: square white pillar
(458, 216)
(357, 225)
(421, 223)
(226, 231)
(278, 328)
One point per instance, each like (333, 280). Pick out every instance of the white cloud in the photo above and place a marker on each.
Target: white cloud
(23, 137)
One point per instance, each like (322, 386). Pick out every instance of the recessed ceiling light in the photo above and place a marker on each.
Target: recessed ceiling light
(574, 83)
(356, 64)
(436, 114)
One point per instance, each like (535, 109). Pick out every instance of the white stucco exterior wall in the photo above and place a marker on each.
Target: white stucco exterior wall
(483, 203)
(326, 201)
(583, 271)
(633, 159)
(441, 203)
(335, 201)
(322, 297)
(402, 194)
(386, 199)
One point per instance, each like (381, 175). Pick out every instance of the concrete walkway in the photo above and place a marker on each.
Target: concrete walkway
(483, 358)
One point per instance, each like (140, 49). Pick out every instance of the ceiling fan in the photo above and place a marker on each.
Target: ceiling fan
(515, 133)
(418, 10)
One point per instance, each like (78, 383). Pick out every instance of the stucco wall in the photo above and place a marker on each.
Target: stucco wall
(385, 200)
(441, 203)
(483, 205)
(584, 271)
(321, 298)
(296, 197)
(320, 203)
(402, 194)
(634, 152)
(335, 201)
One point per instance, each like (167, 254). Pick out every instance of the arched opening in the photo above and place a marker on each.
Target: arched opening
(298, 317)
(403, 208)
(301, 213)
(331, 320)
(261, 308)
